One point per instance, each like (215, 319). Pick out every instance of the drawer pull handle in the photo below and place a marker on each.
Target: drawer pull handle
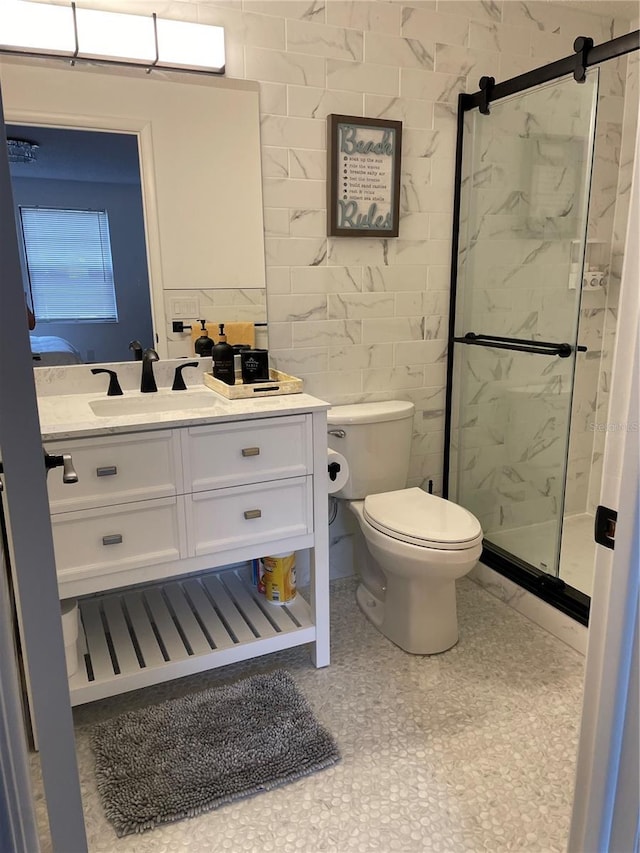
(107, 471)
(252, 513)
(113, 539)
(251, 451)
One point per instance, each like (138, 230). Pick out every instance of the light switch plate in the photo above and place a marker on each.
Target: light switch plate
(185, 309)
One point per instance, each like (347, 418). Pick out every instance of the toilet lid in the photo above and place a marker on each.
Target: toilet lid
(413, 515)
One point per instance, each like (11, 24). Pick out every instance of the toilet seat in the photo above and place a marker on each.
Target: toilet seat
(414, 516)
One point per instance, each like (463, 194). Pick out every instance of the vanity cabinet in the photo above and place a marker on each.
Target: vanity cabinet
(156, 536)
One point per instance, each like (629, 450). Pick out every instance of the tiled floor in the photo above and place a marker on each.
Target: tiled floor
(471, 750)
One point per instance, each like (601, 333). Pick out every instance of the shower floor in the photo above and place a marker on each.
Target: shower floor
(577, 554)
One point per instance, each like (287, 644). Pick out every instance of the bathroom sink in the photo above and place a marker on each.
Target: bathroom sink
(170, 401)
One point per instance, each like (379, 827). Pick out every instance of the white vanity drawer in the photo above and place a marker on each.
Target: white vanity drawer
(245, 515)
(115, 539)
(221, 455)
(115, 469)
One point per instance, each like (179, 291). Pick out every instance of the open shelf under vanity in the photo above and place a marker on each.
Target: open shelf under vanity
(155, 632)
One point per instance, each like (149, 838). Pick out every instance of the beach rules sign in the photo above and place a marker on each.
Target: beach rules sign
(363, 176)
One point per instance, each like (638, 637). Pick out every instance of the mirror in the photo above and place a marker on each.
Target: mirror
(198, 147)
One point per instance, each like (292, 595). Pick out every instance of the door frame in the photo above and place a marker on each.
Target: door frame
(31, 556)
(606, 811)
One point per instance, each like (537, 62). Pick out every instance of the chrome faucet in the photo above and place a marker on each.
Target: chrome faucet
(148, 381)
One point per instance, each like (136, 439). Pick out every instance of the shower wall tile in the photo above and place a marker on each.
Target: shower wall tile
(365, 15)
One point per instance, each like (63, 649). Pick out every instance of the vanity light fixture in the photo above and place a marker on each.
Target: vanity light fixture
(38, 29)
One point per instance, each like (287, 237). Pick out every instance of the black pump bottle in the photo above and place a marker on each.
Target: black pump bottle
(223, 364)
(203, 345)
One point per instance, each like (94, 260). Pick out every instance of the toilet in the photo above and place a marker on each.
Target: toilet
(414, 545)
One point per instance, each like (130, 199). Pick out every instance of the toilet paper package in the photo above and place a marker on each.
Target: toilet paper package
(337, 471)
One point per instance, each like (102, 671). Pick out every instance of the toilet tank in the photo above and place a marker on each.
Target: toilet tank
(376, 445)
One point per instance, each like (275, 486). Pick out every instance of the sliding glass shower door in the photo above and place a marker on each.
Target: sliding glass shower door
(523, 217)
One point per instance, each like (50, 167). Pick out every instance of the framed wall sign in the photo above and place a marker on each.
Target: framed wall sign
(363, 176)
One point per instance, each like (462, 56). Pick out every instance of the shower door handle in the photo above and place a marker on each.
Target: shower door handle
(563, 350)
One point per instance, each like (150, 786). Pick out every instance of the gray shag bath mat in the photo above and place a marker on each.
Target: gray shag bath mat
(190, 755)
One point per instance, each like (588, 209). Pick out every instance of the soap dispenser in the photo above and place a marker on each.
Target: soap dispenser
(203, 345)
(222, 355)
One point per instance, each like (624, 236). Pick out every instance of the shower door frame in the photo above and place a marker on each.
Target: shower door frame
(565, 598)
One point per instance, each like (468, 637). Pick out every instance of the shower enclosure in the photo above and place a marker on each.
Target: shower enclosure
(520, 254)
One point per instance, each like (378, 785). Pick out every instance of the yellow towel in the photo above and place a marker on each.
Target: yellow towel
(237, 333)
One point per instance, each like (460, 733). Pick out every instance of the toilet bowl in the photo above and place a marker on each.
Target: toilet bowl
(414, 545)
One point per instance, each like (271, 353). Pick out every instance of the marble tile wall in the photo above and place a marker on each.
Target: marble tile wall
(366, 319)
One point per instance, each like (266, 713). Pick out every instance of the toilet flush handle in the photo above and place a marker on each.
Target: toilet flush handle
(339, 433)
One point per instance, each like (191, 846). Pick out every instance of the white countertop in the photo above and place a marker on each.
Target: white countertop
(71, 415)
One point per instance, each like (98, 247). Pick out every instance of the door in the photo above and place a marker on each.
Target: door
(523, 219)
(29, 543)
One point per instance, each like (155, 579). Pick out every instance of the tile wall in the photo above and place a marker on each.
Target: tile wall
(357, 318)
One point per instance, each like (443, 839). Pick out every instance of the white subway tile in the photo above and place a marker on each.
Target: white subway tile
(357, 306)
(273, 98)
(440, 226)
(297, 308)
(302, 10)
(292, 132)
(300, 360)
(308, 223)
(385, 278)
(244, 28)
(330, 386)
(295, 251)
(326, 279)
(363, 77)
(365, 15)
(278, 279)
(392, 378)
(399, 52)
(360, 356)
(431, 85)
(448, 29)
(414, 226)
(280, 335)
(439, 278)
(284, 67)
(486, 10)
(361, 251)
(276, 222)
(324, 40)
(425, 143)
(413, 113)
(499, 38)
(549, 46)
(282, 192)
(461, 61)
(392, 329)
(414, 303)
(275, 162)
(327, 333)
(420, 352)
(308, 102)
(511, 66)
(309, 164)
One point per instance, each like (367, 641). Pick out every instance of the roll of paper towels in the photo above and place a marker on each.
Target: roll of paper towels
(336, 467)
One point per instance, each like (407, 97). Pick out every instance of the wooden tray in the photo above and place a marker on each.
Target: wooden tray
(279, 383)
